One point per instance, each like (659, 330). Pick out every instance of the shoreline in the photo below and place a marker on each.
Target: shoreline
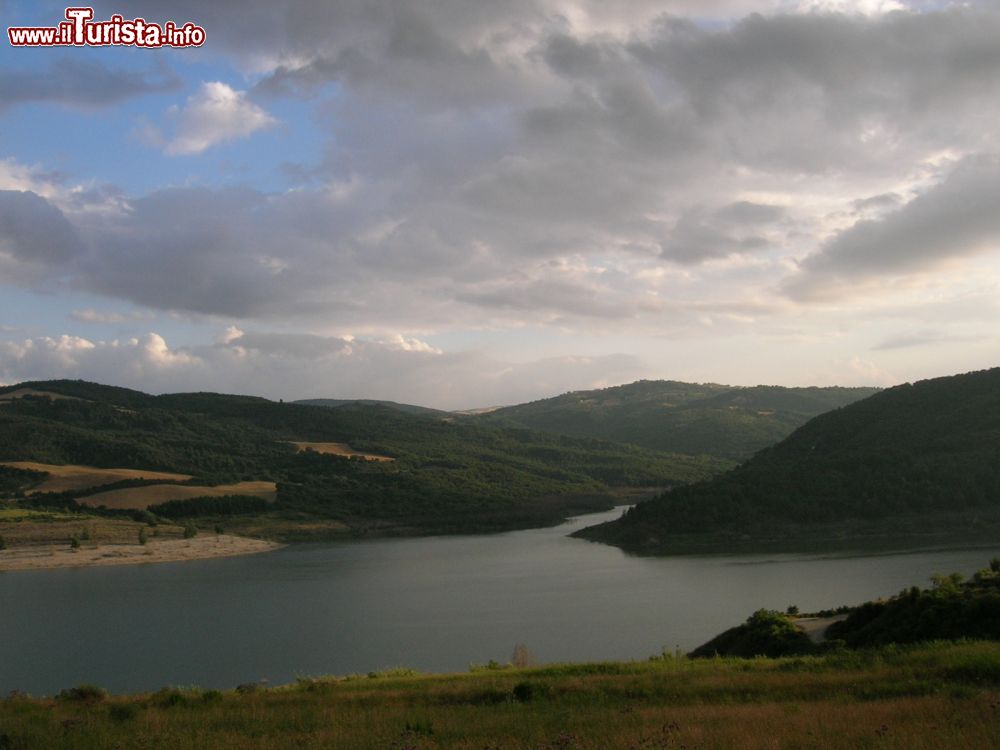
(202, 547)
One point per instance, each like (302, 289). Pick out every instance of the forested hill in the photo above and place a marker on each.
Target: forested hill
(921, 454)
(695, 418)
(446, 473)
(335, 403)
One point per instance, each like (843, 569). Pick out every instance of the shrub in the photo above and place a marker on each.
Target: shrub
(525, 692)
(84, 693)
(491, 666)
(142, 536)
(74, 543)
(419, 726)
(765, 633)
(211, 696)
(123, 711)
(3, 543)
(190, 531)
(168, 697)
(393, 672)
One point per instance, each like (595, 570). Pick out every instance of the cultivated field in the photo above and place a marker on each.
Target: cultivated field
(932, 697)
(22, 527)
(22, 392)
(153, 494)
(68, 478)
(159, 549)
(338, 449)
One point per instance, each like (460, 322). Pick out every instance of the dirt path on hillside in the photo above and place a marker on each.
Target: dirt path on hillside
(815, 627)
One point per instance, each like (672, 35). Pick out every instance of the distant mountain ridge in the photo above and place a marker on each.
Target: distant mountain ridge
(916, 455)
(448, 474)
(335, 403)
(728, 422)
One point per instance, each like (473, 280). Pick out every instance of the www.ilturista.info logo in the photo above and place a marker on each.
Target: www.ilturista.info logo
(80, 30)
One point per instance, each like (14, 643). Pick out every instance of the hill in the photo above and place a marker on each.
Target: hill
(334, 403)
(953, 609)
(915, 460)
(447, 475)
(727, 422)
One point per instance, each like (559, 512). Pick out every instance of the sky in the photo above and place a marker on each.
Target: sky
(464, 204)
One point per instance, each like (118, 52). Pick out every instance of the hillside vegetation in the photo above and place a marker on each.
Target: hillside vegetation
(915, 459)
(952, 609)
(334, 403)
(724, 421)
(447, 475)
(932, 697)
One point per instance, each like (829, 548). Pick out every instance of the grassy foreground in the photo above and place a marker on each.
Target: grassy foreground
(928, 696)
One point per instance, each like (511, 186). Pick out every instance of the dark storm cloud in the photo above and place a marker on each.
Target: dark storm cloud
(696, 237)
(747, 212)
(81, 83)
(958, 217)
(809, 89)
(35, 238)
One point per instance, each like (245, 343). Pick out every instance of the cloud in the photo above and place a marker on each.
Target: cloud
(85, 84)
(294, 366)
(215, 114)
(748, 212)
(35, 237)
(106, 316)
(575, 165)
(876, 203)
(958, 217)
(917, 338)
(696, 238)
(822, 91)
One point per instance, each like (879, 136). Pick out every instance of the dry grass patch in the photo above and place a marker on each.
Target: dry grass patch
(68, 478)
(154, 494)
(36, 528)
(338, 449)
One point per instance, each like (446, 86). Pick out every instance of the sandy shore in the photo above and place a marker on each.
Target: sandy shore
(201, 547)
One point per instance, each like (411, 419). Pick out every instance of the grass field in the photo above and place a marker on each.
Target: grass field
(153, 494)
(338, 449)
(921, 698)
(69, 478)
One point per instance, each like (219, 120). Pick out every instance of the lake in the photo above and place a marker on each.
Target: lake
(437, 603)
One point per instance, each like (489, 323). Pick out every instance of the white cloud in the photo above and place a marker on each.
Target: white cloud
(215, 114)
(293, 366)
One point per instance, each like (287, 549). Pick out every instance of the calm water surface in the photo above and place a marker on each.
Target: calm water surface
(436, 603)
